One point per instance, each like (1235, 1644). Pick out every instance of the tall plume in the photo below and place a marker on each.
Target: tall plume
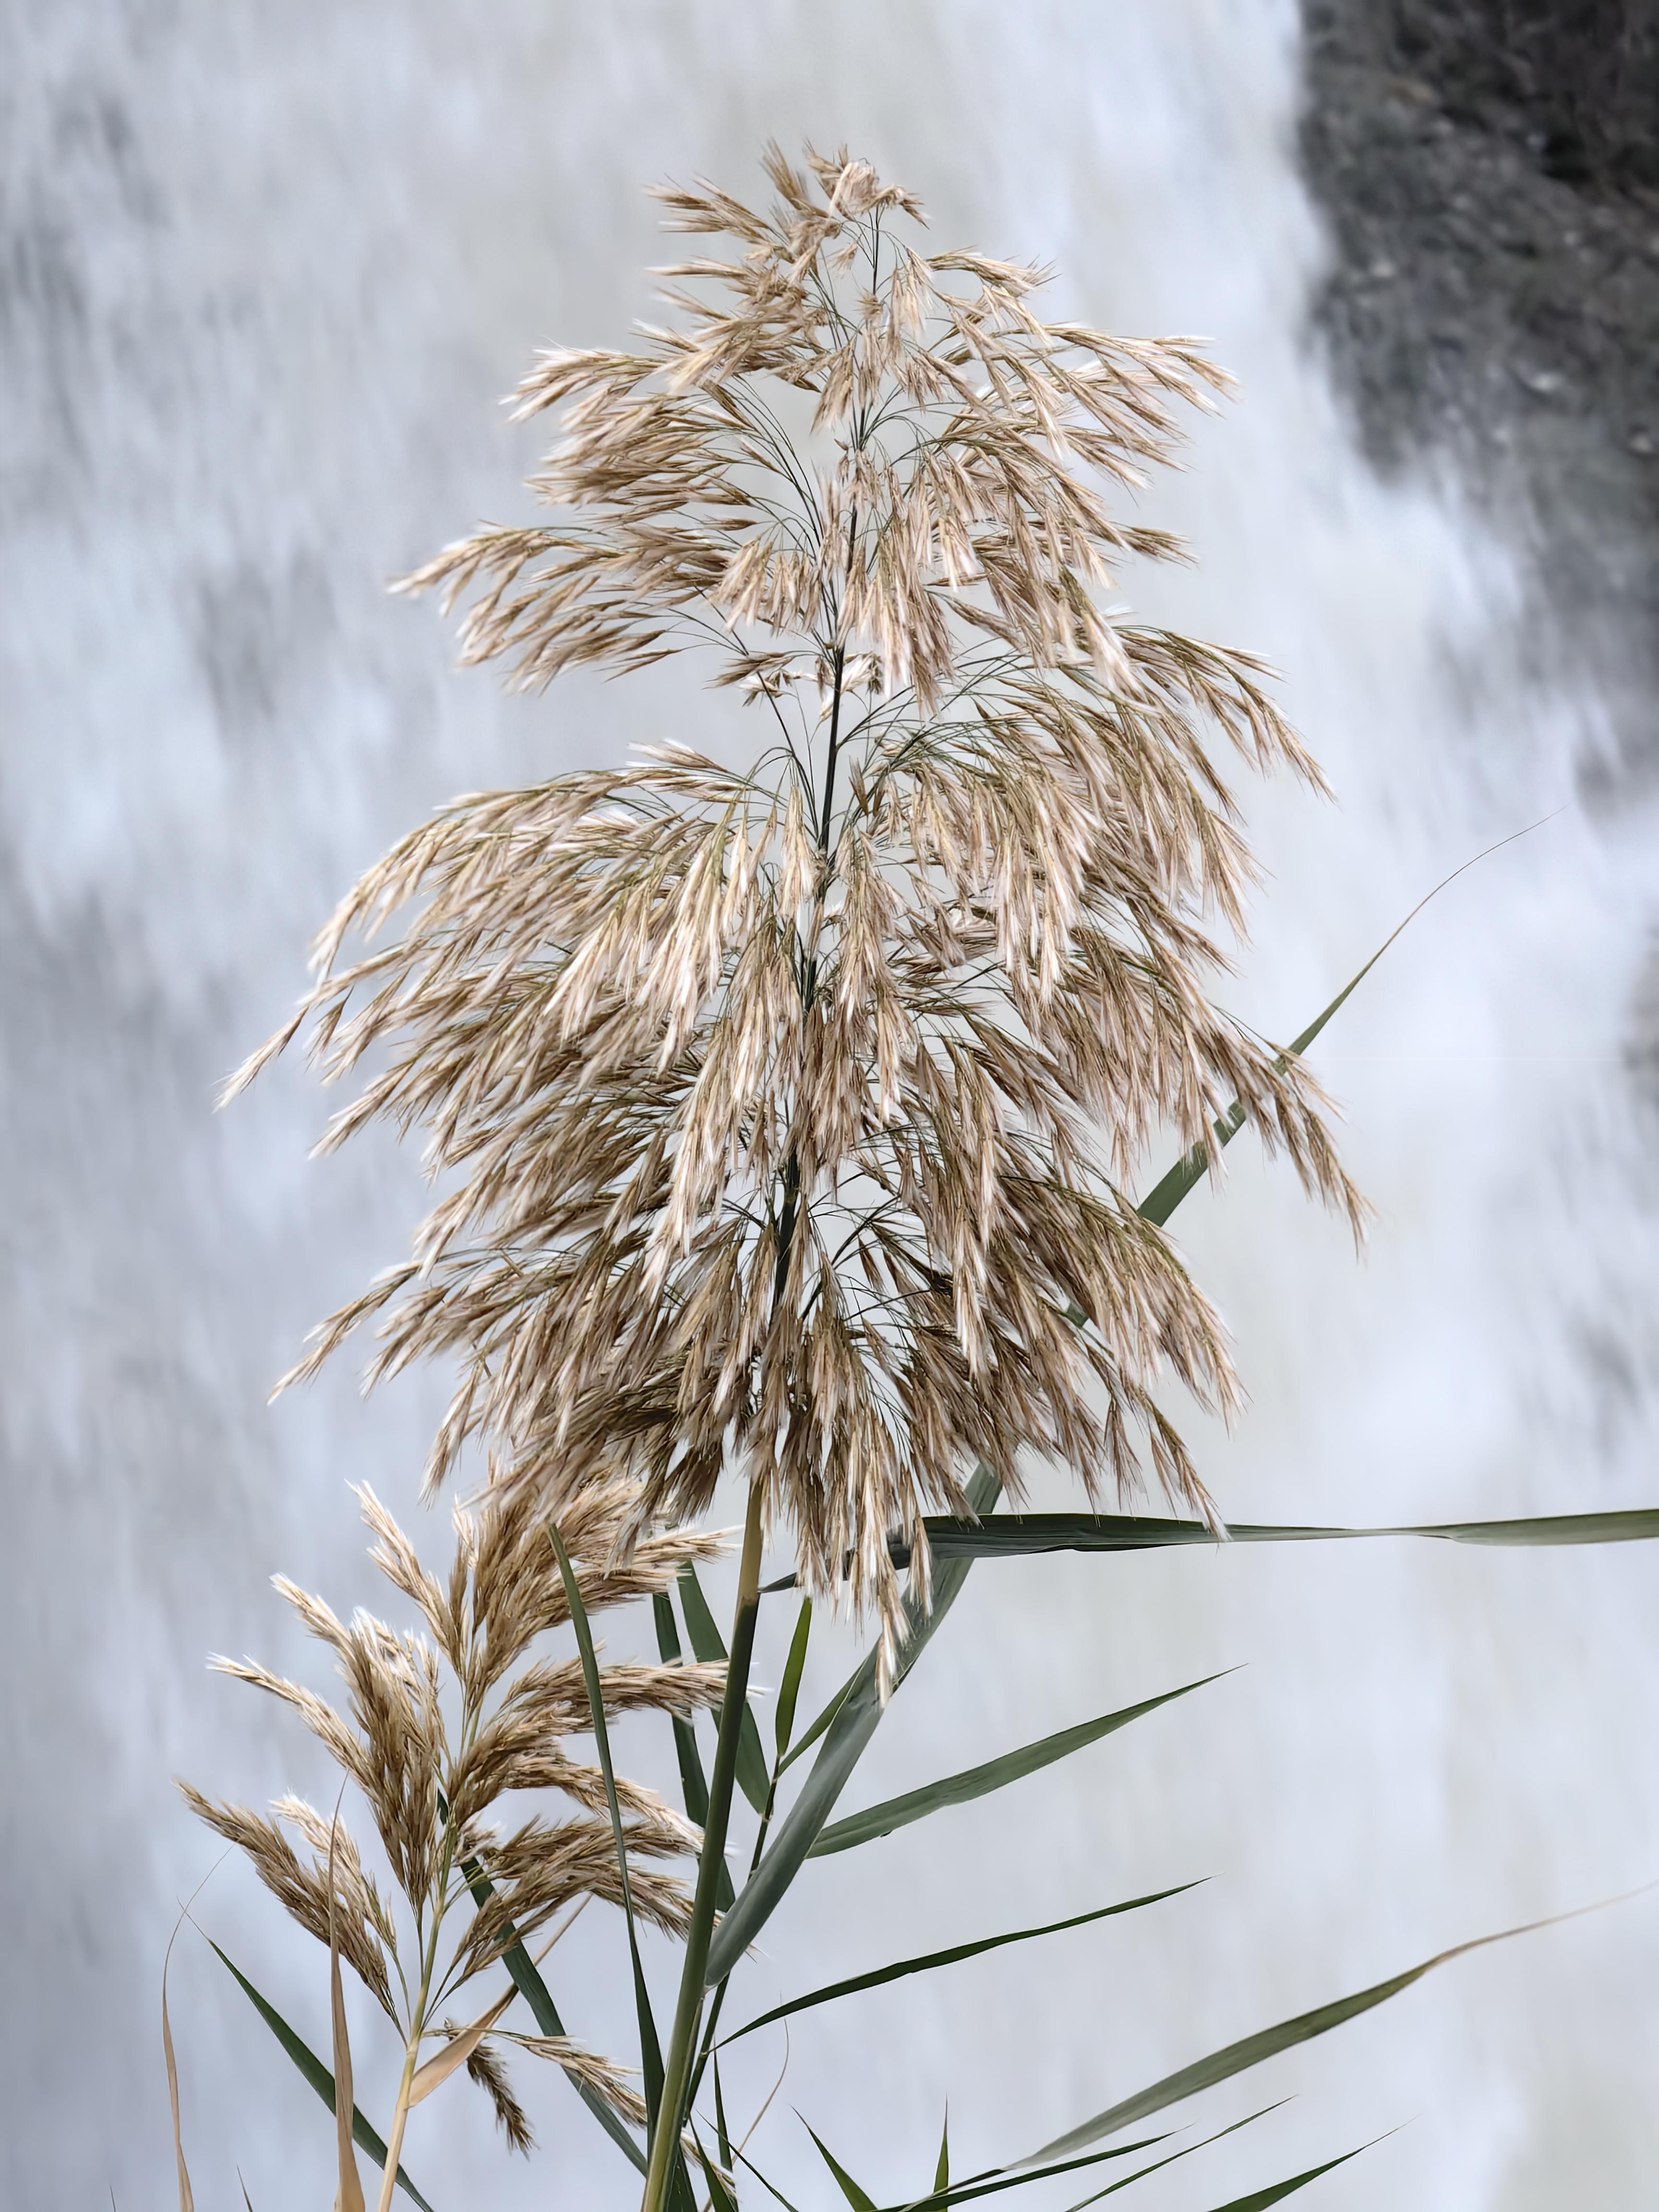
(784, 1114)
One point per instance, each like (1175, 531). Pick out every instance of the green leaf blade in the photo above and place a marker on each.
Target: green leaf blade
(980, 1781)
(694, 1779)
(926, 1964)
(312, 2067)
(1190, 1170)
(850, 2189)
(1252, 2050)
(709, 1645)
(1029, 1536)
(720, 2198)
(1260, 2199)
(650, 2047)
(789, 1688)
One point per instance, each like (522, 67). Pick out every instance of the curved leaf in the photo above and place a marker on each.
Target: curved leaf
(789, 1688)
(1025, 1536)
(316, 2073)
(850, 2189)
(1161, 1201)
(980, 1781)
(1252, 2049)
(951, 1958)
(1260, 2199)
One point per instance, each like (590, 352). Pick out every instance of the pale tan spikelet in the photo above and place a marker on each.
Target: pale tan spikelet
(485, 2066)
(601, 2074)
(304, 1890)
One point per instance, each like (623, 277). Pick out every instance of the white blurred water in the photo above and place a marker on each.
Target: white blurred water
(266, 272)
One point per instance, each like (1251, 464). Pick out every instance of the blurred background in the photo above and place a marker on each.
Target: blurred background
(265, 273)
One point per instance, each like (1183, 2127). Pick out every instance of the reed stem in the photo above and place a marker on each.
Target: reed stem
(677, 2070)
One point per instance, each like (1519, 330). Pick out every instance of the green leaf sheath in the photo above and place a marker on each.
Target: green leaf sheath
(950, 1958)
(321, 2079)
(980, 1781)
(534, 1990)
(1252, 2049)
(857, 1717)
(709, 1645)
(650, 2048)
(1025, 1536)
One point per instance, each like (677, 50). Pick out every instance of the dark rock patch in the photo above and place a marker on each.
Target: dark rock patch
(1490, 172)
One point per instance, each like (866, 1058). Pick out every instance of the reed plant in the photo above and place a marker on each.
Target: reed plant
(784, 1112)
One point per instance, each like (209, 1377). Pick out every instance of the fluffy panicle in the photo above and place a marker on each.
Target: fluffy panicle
(442, 1728)
(785, 1114)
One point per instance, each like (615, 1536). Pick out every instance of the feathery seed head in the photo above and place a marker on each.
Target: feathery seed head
(444, 1729)
(785, 1113)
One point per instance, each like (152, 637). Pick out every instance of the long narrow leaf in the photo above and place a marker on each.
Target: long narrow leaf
(694, 1781)
(951, 1958)
(1187, 2150)
(1260, 2199)
(979, 1781)
(789, 1688)
(720, 2198)
(845, 1741)
(1268, 2042)
(859, 2201)
(771, 2190)
(650, 2048)
(1193, 1166)
(710, 1647)
(722, 2133)
(995, 2179)
(316, 2073)
(1023, 1535)
(803, 1743)
(523, 1970)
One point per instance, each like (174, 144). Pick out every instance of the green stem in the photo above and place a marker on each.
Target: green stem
(677, 2069)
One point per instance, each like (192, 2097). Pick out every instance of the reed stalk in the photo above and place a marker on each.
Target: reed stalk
(688, 2009)
(785, 1117)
